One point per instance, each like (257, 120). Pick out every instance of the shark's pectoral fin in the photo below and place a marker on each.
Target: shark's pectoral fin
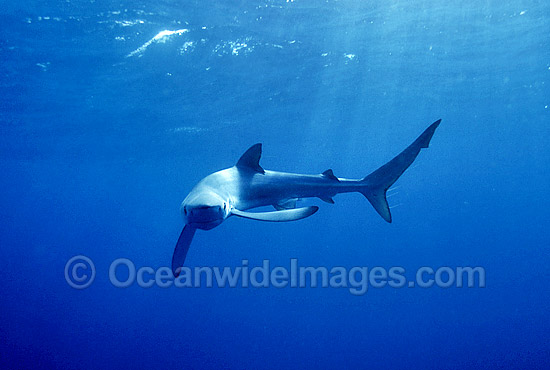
(181, 249)
(278, 216)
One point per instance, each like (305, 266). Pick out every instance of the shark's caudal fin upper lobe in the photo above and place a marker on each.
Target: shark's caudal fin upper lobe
(378, 182)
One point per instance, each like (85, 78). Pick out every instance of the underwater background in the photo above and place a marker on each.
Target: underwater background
(111, 111)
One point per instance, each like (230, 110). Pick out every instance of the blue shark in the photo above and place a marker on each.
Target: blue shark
(246, 185)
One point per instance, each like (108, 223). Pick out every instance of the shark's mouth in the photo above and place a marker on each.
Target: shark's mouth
(205, 225)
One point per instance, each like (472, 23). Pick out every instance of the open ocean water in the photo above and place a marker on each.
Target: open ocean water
(111, 111)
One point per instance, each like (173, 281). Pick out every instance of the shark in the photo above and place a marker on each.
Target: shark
(236, 190)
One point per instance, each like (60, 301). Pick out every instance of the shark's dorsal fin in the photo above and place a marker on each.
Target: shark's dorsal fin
(330, 175)
(251, 158)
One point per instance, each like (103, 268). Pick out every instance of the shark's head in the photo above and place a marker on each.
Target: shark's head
(204, 210)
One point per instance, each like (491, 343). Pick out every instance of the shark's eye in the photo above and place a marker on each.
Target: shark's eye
(185, 210)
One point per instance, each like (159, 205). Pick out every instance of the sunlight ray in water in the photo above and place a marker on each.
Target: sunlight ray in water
(160, 37)
(393, 188)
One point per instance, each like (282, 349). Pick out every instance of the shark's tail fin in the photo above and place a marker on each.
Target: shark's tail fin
(378, 182)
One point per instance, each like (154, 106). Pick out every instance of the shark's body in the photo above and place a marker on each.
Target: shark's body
(247, 185)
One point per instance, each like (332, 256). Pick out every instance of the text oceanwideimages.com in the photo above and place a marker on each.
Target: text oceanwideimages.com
(80, 273)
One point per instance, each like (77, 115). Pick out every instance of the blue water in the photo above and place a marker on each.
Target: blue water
(107, 122)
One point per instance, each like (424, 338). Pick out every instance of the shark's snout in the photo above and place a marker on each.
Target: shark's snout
(203, 217)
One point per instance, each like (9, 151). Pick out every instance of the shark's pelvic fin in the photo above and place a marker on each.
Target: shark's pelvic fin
(287, 204)
(278, 216)
(251, 158)
(327, 199)
(181, 249)
(378, 182)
